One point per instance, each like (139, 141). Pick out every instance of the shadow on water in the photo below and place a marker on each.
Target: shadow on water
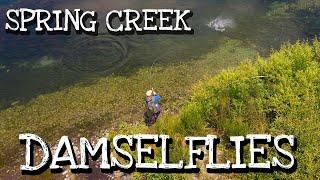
(31, 65)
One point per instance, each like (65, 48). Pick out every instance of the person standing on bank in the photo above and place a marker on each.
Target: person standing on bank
(153, 109)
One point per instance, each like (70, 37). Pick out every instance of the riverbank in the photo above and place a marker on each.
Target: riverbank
(85, 109)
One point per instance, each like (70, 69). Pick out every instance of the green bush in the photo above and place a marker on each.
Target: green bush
(277, 95)
(191, 120)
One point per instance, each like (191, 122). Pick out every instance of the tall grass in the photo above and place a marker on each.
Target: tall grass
(278, 95)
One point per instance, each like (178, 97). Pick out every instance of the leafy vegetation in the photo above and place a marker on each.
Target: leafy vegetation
(278, 95)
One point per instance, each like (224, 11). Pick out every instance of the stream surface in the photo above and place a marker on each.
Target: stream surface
(31, 65)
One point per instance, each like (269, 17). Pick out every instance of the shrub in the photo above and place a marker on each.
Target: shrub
(279, 95)
(191, 120)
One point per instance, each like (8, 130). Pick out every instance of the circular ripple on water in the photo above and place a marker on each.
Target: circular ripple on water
(99, 54)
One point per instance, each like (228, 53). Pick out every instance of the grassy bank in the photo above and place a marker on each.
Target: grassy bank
(88, 108)
(275, 95)
(278, 95)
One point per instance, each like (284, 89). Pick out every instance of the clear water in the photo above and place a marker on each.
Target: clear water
(36, 64)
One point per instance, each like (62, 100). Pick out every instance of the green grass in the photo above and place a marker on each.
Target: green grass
(86, 109)
(277, 95)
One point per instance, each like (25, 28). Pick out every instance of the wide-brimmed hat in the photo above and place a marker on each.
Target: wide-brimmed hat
(149, 93)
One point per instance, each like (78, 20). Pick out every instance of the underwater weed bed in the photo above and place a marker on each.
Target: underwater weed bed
(111, 99)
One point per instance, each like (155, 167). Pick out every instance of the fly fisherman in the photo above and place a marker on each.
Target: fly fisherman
(152, 107)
